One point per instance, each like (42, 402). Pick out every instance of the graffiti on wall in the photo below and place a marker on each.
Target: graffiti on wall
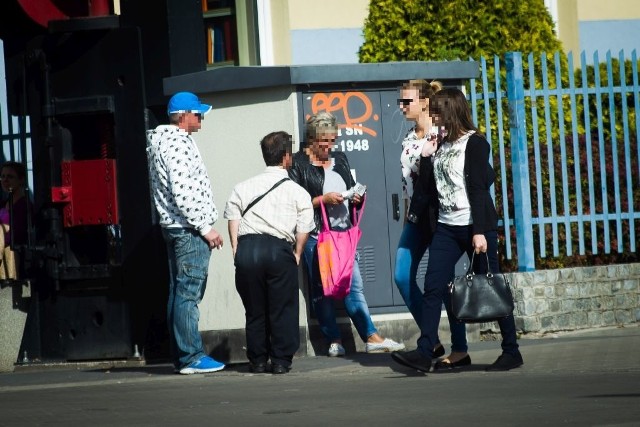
(357, 112)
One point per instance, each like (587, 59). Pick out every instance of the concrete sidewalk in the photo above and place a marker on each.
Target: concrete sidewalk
(582, 378)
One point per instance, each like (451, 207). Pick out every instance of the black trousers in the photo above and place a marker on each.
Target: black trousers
(267, 281)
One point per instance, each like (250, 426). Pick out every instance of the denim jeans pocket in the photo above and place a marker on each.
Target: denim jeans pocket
(194, 271)
(192, 284)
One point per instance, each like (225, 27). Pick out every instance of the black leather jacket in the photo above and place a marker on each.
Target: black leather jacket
(311, 177)
(423, 209)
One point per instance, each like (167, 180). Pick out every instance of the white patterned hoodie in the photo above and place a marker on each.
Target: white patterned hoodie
(179, 180)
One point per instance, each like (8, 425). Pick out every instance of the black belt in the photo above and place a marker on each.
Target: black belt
(249, 237)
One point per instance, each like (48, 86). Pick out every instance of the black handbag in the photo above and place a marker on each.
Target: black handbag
(480, 297)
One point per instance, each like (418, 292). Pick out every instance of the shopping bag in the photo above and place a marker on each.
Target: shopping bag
(336, 255)
(7, 257)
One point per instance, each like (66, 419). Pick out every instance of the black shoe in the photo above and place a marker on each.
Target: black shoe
(445, 364)
(506, 362)
(258, 368)
(438, 351)
(413, 359)
(279, 369)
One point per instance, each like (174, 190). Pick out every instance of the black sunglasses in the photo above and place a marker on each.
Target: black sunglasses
(404, 101)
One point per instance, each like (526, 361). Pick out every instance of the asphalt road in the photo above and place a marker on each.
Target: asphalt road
(590, 378)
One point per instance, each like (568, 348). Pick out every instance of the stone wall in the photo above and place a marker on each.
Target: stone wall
(577, 298)
(14, 298)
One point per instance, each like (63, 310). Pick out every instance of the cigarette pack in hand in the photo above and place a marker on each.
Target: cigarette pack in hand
(358, 189)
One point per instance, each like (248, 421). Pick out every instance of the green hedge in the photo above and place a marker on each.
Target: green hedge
(426, 30)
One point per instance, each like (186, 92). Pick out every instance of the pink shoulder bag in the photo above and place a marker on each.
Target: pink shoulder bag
(336, 254)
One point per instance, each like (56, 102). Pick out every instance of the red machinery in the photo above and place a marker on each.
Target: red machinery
(95, 259)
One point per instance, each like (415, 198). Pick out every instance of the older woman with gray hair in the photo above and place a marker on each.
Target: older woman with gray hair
(326, 175)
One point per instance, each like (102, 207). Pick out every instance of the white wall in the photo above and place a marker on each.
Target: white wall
(230, 145)
(321, 32)
(613, 35)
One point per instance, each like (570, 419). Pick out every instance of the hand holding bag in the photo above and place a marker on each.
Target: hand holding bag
(480, 297)
(336, 254)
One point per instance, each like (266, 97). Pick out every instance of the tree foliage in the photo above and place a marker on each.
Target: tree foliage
(424, 30)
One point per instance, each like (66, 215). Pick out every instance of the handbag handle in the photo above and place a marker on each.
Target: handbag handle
(470, 269)
(325, 221)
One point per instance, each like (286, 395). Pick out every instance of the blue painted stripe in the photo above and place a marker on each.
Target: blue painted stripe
(636, 100)
(588, 142)
(603, 165)
(536, 153)
(563, 152)
(550, 157)
(576, 157)
(574, 218)
(501, 153)
(614, 153)
(627, 151)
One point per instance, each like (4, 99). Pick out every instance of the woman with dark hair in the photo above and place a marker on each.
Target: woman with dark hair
(420, 143)
(467, 222)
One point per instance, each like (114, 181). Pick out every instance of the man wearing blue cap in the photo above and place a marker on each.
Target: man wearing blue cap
(184, 201)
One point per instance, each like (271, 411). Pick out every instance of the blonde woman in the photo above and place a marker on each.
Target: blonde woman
(325, 175)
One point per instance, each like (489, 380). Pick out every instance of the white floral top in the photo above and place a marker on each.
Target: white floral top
(410, 160)
(448, 171)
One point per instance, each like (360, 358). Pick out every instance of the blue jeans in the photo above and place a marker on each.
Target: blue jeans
(188, 255)
(323, 307)
(448, 244)
(411, 248)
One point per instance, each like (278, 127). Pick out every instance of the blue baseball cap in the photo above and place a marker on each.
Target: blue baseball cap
(187, 102)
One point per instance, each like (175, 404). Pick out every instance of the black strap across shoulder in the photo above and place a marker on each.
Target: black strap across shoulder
(257, 199)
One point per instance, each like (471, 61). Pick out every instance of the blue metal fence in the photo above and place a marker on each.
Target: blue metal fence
(569, 170)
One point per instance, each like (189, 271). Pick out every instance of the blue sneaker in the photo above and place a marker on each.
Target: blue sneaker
(202, 366)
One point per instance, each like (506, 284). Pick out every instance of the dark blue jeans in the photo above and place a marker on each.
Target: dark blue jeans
(448, 244)
(411, 248)
(188, 255)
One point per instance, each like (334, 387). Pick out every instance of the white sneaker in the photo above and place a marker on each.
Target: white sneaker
(386, 346)
(335, 350)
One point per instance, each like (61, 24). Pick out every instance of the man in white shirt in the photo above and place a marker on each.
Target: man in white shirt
(184, 200)
(270, 218)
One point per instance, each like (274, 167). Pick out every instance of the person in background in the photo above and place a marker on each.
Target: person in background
(270, 218)
(421, 142)
(15, 208)
(467, 222)
(184, 200)
(325, 175)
